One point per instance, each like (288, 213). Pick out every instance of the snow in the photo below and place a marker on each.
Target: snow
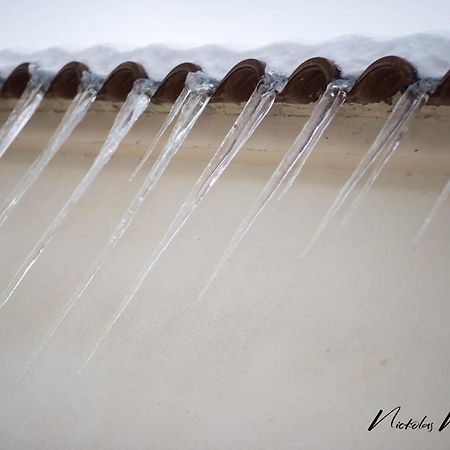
(429, 53)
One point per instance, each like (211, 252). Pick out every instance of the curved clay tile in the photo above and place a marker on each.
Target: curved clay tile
(309, 81)
(119, 82)
(66, 81)
(239, 83)
(382, 80)
(173, 83)
(441, 95)
(16, 82)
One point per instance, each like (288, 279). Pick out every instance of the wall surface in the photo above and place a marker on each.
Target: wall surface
(283, 351)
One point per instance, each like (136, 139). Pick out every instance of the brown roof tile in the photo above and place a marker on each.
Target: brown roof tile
(309, 81)
(382, 80)
(239, 83)
(66, 81)
(120, 81)
(16, 81)
(173, 83)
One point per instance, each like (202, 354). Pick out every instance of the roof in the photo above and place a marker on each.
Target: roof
(379, 82)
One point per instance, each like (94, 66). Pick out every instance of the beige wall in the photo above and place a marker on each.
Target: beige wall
(283, 352)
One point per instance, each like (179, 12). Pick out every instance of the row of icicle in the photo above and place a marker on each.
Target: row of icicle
(186, 110)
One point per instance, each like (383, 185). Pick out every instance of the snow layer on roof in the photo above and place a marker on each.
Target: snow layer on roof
(429, 53)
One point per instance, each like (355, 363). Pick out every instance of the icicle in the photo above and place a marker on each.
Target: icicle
(176, 107)
(410, 102)
(328, 106)
(26, 106)
(254, 111)
(134, 106)
(90, 84)
(421, 91)
(433, 213)
(328, 98)
(200, 91)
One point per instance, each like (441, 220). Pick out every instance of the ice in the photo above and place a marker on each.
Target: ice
(253, 113)
(135, 104)
(90, 85)
(26, 106)
(200, 90)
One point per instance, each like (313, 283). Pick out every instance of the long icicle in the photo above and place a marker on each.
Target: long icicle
(423, 92)
(253, 113)
(134, 106)
(432, 214)
(90, 85)
(26, 106)
(176, 107)
(200, 90)
(392, 126)
(324, 112)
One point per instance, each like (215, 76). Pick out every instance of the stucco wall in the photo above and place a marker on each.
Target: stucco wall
(282, 352)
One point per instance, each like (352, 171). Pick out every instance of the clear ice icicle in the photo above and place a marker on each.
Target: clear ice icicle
(253, 113)
(90, 84)
(433, 213)
(421, 92)
(410, 100)
(334, 96)
(26, 106)
(323, 113)
(176, 107)
(200, 91)
(134, 106)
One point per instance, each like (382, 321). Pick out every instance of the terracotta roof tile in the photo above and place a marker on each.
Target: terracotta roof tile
(239, 83)
(120, 81)
(66, 81)
(382, 80)
(173, 83)
(308, 81)
(16, 81)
